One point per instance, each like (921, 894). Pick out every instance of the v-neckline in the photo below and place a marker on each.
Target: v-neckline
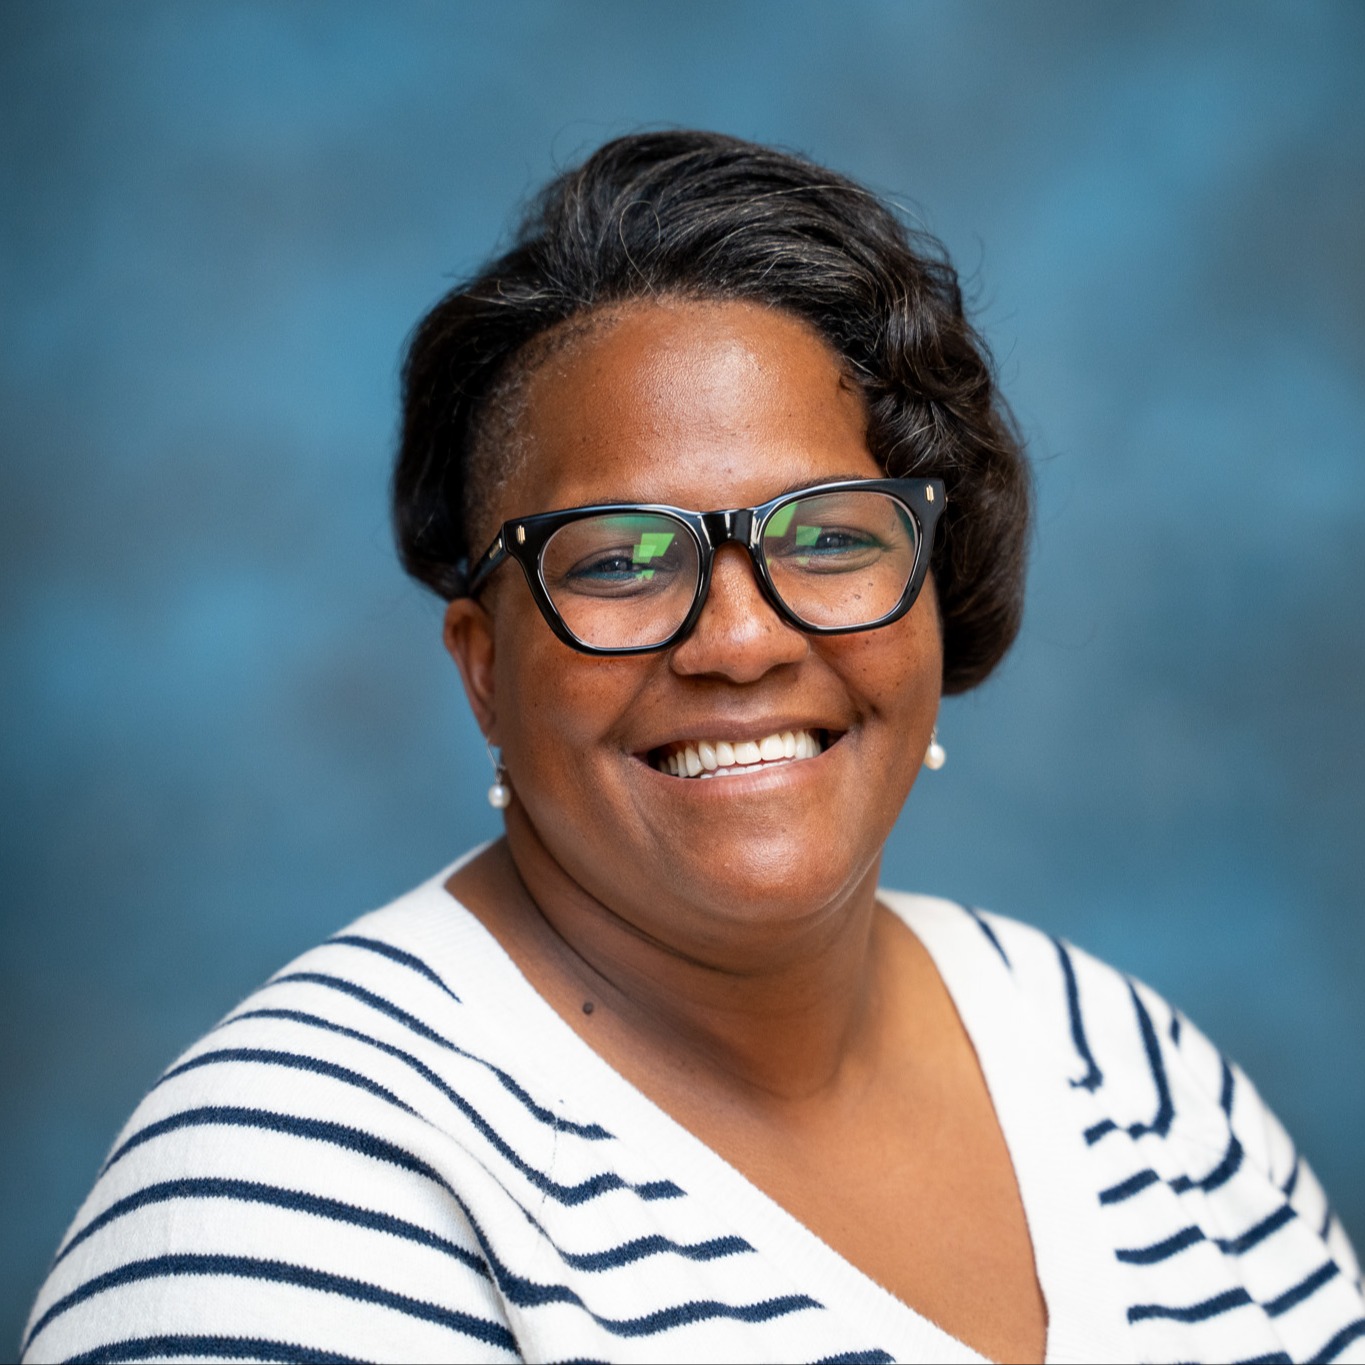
(1042, 1119)
(1044, 1145)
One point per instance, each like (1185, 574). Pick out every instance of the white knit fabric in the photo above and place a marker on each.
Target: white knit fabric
(395, 1150)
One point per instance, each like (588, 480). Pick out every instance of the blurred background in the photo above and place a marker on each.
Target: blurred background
(228, 723)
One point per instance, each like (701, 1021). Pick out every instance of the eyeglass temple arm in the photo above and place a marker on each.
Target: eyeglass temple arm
(492, 557)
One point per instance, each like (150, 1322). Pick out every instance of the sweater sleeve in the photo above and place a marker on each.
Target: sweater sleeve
(1262, 1139)
(1227, 1242)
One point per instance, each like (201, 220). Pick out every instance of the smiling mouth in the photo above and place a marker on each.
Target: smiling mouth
(705, 758)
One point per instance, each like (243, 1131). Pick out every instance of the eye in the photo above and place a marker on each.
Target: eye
(620, 572)
(617, 555)
(609, 564)
(827, 548)
(832, 540)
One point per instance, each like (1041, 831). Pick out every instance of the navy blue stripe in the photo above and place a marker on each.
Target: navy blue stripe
(565, 1194)
(1164, 1250)
(1274, 1358)
(212, 1348)
(524, 1293)
(1196, 1312)
(276, 1272)
(1305, 1289)
(1258, 1232)
(359, 1140)
(982, 924)
(254, 1192)
(1328, 1217)
(1098, 1130)
(370, 998)
(249, 1191)
(320, 1130)
(374, 945)
(1287, 1189)
(699, 1310)
(654, 1245)
(1220, 1175)
(1353, 1331)
(591, 1131)
(611, 1257)
(296, 1060)
(1165, 1110)
(1189, 1236)
(1126, 1189)
(626, 1252)
(873, 1357)
(1225, 1094)
(1094, 1077)
(411, 1021)
(1176, 1026)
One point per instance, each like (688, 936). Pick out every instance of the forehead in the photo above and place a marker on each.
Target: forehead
(702, 404)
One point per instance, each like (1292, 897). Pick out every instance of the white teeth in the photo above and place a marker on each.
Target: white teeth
(771, 749)
(722, 758)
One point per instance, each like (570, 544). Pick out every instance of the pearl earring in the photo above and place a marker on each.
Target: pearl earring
(935, 756)
(499, 794)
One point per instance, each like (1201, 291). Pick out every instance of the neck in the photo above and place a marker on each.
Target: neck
(778, 1012)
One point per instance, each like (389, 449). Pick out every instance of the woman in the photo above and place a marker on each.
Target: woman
(662, 1074)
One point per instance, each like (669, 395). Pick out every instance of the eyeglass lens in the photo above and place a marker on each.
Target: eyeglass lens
(627, 580)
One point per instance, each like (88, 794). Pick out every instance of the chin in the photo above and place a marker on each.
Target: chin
(774, 882)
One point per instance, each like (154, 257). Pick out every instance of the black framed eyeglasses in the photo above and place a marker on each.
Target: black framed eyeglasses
(628, 578)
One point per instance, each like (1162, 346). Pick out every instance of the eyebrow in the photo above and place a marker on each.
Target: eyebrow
(816, 482)
(798, 486)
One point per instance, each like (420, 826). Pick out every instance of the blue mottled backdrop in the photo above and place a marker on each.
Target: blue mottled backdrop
(228, 724)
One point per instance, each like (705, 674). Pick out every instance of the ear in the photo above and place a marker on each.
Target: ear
(468, 639)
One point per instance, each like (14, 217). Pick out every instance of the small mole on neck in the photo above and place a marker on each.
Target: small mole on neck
(588, 1007)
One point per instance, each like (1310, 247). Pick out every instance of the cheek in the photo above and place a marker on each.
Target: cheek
(554, 704)
(897, 671)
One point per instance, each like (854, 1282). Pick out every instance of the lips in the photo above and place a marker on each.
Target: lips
(717, 757)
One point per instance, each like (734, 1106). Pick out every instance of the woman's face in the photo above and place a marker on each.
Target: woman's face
(701, 405)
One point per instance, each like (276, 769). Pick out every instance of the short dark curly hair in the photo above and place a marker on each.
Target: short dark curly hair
(702, 215)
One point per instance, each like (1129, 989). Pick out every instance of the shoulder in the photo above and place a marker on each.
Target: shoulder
(285, 1180)
(1226, 1244)
(1156, 1070)
(340, 1033)
(1112, 1031)
(1154, 1076)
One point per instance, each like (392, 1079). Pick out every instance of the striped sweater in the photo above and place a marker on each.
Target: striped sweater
(395, 1150)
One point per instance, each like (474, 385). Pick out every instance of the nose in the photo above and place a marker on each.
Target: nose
(738, 635)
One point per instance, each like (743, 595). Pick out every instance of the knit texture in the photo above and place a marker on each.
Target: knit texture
(396, 1151)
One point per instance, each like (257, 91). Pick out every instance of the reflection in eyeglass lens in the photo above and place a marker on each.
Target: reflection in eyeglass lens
(621, 580)
(840, 559)
(628, 579)
(616, 555)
